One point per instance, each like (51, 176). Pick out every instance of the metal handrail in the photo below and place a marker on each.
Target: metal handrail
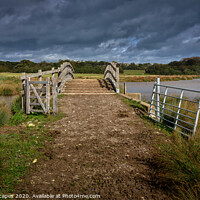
(176, 112)
(175, 118)
(176, 97)
(174, 123)
(189, 90)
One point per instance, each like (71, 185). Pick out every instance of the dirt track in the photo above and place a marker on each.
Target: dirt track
(101, 147)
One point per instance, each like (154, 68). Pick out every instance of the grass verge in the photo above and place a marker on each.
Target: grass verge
(23, 142)
(134, 104)
(176, 161)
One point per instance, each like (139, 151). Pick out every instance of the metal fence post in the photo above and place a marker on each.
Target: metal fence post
(163, 103)
(158, 99)
(179, 106)
(196, 120)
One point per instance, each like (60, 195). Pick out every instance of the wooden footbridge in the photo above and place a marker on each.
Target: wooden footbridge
(99, 147)
(38, 90)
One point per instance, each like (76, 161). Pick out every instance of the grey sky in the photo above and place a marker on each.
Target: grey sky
(121, 30)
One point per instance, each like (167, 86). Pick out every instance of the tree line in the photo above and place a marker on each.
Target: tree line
(32, 67)
(187, 66)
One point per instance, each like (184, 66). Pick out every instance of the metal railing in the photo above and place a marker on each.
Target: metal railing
(170, 107)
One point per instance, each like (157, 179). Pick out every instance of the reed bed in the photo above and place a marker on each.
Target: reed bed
(152, 78)
(9, 85)
(177, 162)
(5, 113)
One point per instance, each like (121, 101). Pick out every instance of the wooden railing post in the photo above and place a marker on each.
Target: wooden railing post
(54, 93)
(117, 79)
(124, 87)
(23, 92)
(48, 95)
(40, 78)
(27, 96)
(52, 70)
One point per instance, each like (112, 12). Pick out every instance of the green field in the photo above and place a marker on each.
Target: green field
(134, 72)
(88, 76)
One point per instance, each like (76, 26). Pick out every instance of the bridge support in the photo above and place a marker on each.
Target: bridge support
(111, 73)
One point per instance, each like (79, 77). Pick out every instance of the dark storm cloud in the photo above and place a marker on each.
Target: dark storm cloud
(121, 30)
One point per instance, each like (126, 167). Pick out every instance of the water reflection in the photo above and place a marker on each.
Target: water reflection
(145, 88)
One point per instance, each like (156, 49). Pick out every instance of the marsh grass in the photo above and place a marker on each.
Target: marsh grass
(9, 85)
(152, 78)
(5, 113)
(178, 166)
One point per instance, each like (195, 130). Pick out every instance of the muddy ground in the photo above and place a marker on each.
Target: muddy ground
(101, 147)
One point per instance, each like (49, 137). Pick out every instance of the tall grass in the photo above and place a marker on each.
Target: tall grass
(9, 85)
(152, 78)
(178, 166)
(4, 113)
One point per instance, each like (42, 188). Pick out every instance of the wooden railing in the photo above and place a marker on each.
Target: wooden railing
(111, 73)
(36, 94)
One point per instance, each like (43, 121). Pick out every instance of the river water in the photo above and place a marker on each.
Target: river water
(146, 88)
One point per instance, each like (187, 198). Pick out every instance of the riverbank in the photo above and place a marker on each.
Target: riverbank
(152, 78)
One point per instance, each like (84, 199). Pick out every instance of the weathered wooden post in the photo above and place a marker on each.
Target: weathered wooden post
(117, 79)
(40, 75)
(124, 87)
(40, 78)
(48, 95)
(52, 69)
(23, 91)
(28, 95)
(55, 96)
(158, 99)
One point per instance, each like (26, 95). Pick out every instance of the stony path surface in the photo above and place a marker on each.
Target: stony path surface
(101, 147)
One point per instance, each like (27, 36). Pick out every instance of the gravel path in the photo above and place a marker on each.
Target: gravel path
(100, 147)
